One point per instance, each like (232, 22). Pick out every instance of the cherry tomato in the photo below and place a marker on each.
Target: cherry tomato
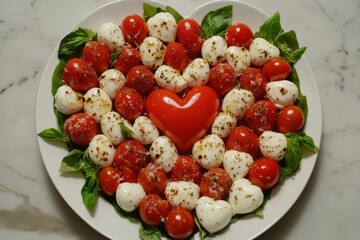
(79, 75)
(176, 56)
(215, 183)
(239, 34)
(141, 79)
(264, 173)
(189, 35)
(80, 128)
(98, 55)
(130, 154)
(109, 180)
(134, 29)
(261, 116)
(243, 139)
(186, 169)
(128, 175)
(153, 209)
(129, 103)
(179, 223)
(290, 119)
(276, 69)
(128, 58)
(253, 80)
(222, 78)
(153, 179)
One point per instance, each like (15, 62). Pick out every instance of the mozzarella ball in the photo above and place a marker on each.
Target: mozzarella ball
(152, 52)
(144, 130)
(111, 81)
(169, 78)
(182, 194)
(197, 72)
(223, 124)
(110, 126)
(273, 145)
(101, 151)
(238, 58)
(213, 50)
(209, 151)
(164, 152)
(68, 101)
(110, 34)
(282, 93)
(97, 103)
(237, 101)
(237, 164)
(162, 26)
(262, 51)
(129, 196)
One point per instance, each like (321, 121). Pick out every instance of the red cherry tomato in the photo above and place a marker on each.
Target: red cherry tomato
(264, 173)
(109, 180)
(222, 78)
(130, 154)
(98, 55)
(261, 116)
(216, 183)
(189, 35)
(239, 34)
(290, 119)
(134, 29)
(253, 80)
(243, 139)
(276, 69)
(141, 79)
(179, 223)
(79, 75)
(186, 169)
(176, 56)
(153, 209)
(128, 58)
(80, 128)
(129, 103)
(128, 175)
(153, 179)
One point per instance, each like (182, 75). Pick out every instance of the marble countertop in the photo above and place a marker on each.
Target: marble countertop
(31, 207)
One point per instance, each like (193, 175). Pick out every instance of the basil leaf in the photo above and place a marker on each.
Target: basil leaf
(216, 22)
(125, 131)
(149, 233)
(114, 56)
(72, 161)
(301, 102)
(202, 231)
(71, 45)
(150, 11)
(178, 17)
(89, 192)
(270, 29)
(57, 77)
(289, 47)
(52, 133)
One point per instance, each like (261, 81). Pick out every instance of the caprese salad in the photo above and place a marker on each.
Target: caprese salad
(183, 126)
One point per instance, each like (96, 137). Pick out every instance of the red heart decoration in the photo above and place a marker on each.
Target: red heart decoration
(184, 120)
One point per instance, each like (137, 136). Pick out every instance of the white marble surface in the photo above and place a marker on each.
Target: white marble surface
(30, 206)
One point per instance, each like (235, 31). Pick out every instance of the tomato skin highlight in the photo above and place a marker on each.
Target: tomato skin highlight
(243, 139)
(109, 180)
(222, 78)
(80, 128)
(215, 183)
(264, 173)
(276, 69)
(179, 223)
(290, 119)
(189, 35)
(134, 29)
(186, 169)
(98, 55)
(153, 209)
(261, 116)
(240, 35)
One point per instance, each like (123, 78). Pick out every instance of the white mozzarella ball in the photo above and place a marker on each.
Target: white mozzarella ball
(213, 50)
(209, 151)
(129, 196)
(162, 26)
(238, 58)
(97, 103)
(110, 126)
(244, 197)
(101, 151)
(237, 164)
(197, 72)
(68, 101)
(223, 124)
(282, 93)
(144, 130)
(169, 78)
(164, 152)
(262, 51)
(237, 101)
(152, 52)
(273, 145)
(182, 194)
(110, 34)
(111, 81)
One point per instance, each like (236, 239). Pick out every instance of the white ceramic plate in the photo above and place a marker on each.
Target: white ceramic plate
(105, 220)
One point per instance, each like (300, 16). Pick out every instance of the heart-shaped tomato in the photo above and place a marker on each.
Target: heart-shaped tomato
(184, 120)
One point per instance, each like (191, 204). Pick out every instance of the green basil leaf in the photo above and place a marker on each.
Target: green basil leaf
(202, 231)
(71, 45)
(307, 142)
(301, 102)
(270, 29)
(125, 131)
(150, 11)
(289, 47)
(293, 154)
(132, 216)
(52, 133)
(216, 22)
(89, 192)
(178, 17)
(114, 56)
(57, 77)
(149, 233)
(72, 162)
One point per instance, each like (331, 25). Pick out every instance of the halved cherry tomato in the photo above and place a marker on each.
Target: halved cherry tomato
(264, 173)
(153, 179)
(186, 169)
(239, 34)
(129, 103)
(179, 223)
(128, 58)
(243, 139)
(134, 29)
(141, 79)
(153, 209)
(80, 128)
(189, 35)
(97, 54)
(253, 80)
(79, 75)
(215, 183)
(222, 78)
(176, 56)
(130, 154)
(290, 119)
(109, 180)
(276, 69)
